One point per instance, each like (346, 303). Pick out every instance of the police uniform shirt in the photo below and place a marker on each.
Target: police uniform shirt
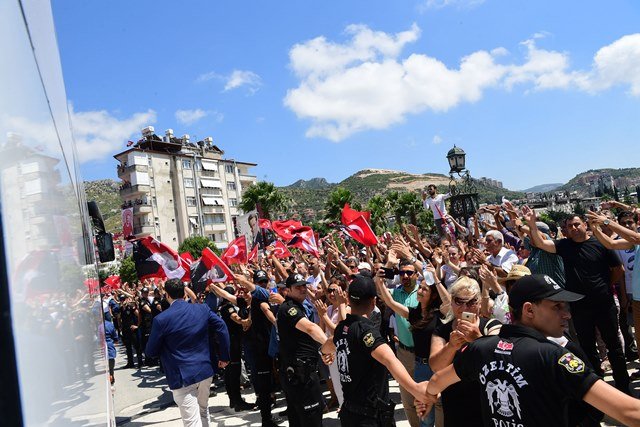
(129, 317)
(226, 311)
(260, 325)
(146, 317)
(525, 379)
(362, 377)
(294, 344)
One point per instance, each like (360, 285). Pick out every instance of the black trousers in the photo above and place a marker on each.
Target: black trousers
(233, 370)
(301, 386)
(261, 378)
(353, 419)
(604, 316)
(130, 340)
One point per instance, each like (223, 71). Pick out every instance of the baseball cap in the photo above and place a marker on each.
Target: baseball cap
(364, 266)
(537, 287)
(230, 289)
(295, 280)
(517, 271)
(361, 287)
(543, 227)
(260, 276)
(145, 289)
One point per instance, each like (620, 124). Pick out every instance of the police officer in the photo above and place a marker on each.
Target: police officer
(130, 321)
(146, 320)
(300, 340)
(364, 359)
(527, 380)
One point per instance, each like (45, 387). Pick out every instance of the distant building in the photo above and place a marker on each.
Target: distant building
(179, 188)
(490, 182)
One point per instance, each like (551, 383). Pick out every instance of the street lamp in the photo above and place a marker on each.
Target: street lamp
(464, 196)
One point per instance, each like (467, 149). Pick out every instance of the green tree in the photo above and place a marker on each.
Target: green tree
(336, 201)
(379, 207)
(578, 209)
(425, 223)
(128, 271)
(195, 244)
(271, 200)
(410, 204)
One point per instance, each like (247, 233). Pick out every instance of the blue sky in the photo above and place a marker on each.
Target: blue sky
(534, 92)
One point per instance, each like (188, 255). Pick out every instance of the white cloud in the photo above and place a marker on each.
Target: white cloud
(365, 84)
(437, 139)
(189, 117)
(237, 79)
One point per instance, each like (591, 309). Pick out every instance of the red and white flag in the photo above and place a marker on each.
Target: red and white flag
(236, 253)
(127, 222)
(360, 230)
(349, 214)
(209, 268)
(253, 255)
(283, 228)
(155, 259)
(264, 223)
(303, 238)
(113, 282)
(280, 250)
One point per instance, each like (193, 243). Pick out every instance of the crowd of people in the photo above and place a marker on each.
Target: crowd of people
(510, 321)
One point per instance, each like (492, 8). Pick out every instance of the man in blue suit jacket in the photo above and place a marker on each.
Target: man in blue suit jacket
(179, 335)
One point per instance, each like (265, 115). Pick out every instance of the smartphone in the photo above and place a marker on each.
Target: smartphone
(469, 317)
(389, 273)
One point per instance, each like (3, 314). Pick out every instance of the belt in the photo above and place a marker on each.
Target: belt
(422, 360)
(405, 347)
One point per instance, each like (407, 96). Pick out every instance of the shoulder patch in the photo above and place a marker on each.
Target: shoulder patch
(232, 310)
(368, 339)
(292, 311)
(572, 363)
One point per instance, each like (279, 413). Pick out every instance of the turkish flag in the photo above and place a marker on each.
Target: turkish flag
(127, 222)
(155, 259)
(236, 253)
(264, 223)
(113, 282)
(360, 230)
(253, 255)
(349, 215)
(209, 268)
(280, 250)
(283, 228)
(303, 238)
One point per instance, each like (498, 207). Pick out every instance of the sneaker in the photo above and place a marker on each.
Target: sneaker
(635, 376)
(274, 421)
(244, 406)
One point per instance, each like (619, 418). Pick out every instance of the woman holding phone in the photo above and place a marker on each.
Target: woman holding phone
(422, 321)
(460, 403)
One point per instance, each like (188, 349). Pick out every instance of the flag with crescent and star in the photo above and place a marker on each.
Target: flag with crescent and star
(280, 250)
(304, 238)
(253, 255)
(349, 214)
(283, 228)
(264, 223)
(360, 230)
(155, 259)
(236, 253)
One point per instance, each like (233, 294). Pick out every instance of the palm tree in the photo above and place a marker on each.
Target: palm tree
(270, 199)
(335, 202)
(379, 207)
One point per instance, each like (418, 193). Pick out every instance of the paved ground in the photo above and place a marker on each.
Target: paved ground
(142, 398)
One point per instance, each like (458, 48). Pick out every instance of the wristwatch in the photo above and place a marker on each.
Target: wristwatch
(606, 222)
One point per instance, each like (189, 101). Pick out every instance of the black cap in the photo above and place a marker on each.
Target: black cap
(230, 289)
(361, 288)
(145, 289)
(295, 280)
(122, 297)
(281, 285)
(260, 276)
(537, 287)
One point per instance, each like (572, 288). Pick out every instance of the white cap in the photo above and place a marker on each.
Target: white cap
(364, 266)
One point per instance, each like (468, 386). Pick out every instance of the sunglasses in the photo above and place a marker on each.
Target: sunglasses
(331, 290)
(352, 266)
(469, 303)
(406, 273)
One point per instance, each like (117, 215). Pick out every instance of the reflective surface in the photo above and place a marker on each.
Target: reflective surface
(56, 310)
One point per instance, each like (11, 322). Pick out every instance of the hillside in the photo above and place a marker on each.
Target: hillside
(106, 193)
(543, 188)
(586, 183)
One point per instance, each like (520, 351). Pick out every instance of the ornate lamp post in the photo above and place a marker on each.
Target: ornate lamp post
(464, 196)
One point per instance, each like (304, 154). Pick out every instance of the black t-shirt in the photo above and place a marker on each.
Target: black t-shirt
(462, 394)
(294, 344)
(260, 325)
(128, 317)
(363, 378)
(146, 318)
(226, 310)
(586, 266)
(524, 378)
(422, 336)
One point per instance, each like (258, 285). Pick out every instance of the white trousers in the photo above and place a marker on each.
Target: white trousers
(193, 401)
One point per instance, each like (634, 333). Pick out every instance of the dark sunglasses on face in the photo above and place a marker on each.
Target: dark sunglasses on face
(469, 303)
(406, 273)
(331, 290)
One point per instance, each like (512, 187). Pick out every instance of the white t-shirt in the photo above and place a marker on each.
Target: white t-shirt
(436, 204)
(505, 259)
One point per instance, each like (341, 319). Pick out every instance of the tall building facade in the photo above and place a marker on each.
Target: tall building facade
(178, 188)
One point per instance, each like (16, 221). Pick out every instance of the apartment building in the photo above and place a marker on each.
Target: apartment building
(179, 188)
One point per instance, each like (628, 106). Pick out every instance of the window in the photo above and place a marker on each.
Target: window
(188, 182)
(233, 202)
(191, 201)
(228, 168)
(186, 164)
(231, 186)
(211, 191)
(214, 219)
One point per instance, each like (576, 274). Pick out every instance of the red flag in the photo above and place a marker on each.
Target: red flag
(349, 215)
(283, 228)
(360, 230)
(218, 270)
(264, 223)
(187, 257)
(280, 250)
(113, 282)
(236, 253)
(253, 255)
(155, 259)
(303, 238)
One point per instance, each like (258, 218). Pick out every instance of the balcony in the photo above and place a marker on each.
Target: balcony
(217, 226)
(244, 177)
(131, 190)
(126, 170)
(212, 209)
(143, 229)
